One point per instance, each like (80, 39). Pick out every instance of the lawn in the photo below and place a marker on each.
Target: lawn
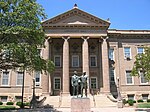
(143, 105)
(7, 107)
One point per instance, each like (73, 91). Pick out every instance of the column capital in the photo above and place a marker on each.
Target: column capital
(66, 38)
(104, 38)
(85, 38)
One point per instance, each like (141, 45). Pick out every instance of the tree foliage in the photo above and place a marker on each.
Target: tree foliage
(21, 35)
(142, 64)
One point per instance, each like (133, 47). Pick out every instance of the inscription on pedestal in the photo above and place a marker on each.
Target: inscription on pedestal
(80, 105)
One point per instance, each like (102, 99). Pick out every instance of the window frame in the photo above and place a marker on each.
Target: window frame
(111, 75)
(8, 78)
(131, 77)
(39, 79)
(17, 78)
(141, 79)
(138, 50)
(55, 61)
(95, 60)
(73, 60)
(95, 83)
(54, 83)
(130, 56)
(113, 56)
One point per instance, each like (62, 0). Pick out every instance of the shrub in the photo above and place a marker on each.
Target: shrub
(131, 102)
(125, 101)
(148, 100)
(27, 104)
(134, 101)
(1, 103)
(9, 103)
(18, 104)
(140, 101)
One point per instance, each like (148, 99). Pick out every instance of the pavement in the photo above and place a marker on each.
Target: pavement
(110, 109)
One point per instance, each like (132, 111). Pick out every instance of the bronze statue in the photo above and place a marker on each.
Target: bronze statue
(83, 83)
(74, 82)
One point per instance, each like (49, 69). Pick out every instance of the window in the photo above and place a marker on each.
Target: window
(127, 52)
(145, 97)
(93, 82)
(37, 78)
(140, 50)
(129, 78)
(111, 54)
(18, 98)
(142, 78)
(93, 61)
(57, 61)
(57, 83)
(3, 98)
(19, 78)
(75, 61)
(130, 96)
(39, 52)
(5, 78)
(112, 75)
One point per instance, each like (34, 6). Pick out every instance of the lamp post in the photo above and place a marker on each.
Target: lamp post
(119, 98)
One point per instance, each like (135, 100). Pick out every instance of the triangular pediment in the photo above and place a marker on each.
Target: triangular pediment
(76, 17)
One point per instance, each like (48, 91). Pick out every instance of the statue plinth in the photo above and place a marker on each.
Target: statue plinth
(80, 105)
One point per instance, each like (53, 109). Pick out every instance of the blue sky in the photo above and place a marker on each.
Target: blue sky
(123, 14)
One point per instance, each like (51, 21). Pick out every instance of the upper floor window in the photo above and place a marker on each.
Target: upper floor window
(129, 78)
(75, 61)
(93, 82)
(57, 83)
(57, 61)
(93, 61)
(39, 51)
(37, 78)
(111, 54)
(140, 50)
(5, 78)
(127, 52)
(19, 78)
(142, 78)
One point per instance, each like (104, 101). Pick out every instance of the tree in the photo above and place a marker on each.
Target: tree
(21, 35)
(142, 64)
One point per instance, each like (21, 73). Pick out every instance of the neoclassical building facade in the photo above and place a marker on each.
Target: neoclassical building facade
(79, 41)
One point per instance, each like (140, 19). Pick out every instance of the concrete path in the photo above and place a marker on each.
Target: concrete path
(110, 109)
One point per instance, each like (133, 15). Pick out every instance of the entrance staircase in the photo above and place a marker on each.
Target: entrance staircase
(97, 101)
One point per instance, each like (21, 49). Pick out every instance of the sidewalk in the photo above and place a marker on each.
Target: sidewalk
(110, 109)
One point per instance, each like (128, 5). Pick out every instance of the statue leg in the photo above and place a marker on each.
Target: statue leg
(85, 90)
(81, 90)
(73, 90)
(77, 88)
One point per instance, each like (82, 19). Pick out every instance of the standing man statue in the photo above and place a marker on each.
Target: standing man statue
(84, 79)
(74, 83)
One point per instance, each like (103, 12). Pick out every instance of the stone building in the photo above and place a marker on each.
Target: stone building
(79, 41)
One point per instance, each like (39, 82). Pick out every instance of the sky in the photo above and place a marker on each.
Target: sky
(123, 14)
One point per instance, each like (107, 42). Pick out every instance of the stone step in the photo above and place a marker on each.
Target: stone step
(65, 101)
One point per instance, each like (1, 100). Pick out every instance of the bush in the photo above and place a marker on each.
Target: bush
(140, 101)
(24, 104)
(134, 101)
(1, 103)
(9, 103)
(18, 104)
(131, 102)
(148, 100)
(125, 101)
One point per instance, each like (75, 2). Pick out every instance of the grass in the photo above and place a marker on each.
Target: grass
(7, 107)
(144, 105)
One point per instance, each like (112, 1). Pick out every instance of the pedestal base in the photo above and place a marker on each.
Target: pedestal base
(80, 105)
(120, 104)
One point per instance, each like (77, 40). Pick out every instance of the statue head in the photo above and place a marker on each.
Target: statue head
(75, 72)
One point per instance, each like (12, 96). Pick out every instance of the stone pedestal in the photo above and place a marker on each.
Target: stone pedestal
(80, 105)
(120, 104)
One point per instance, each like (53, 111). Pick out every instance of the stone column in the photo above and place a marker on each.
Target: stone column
(105, 66)
(85, 58)
(65, 66)
(45, 78)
